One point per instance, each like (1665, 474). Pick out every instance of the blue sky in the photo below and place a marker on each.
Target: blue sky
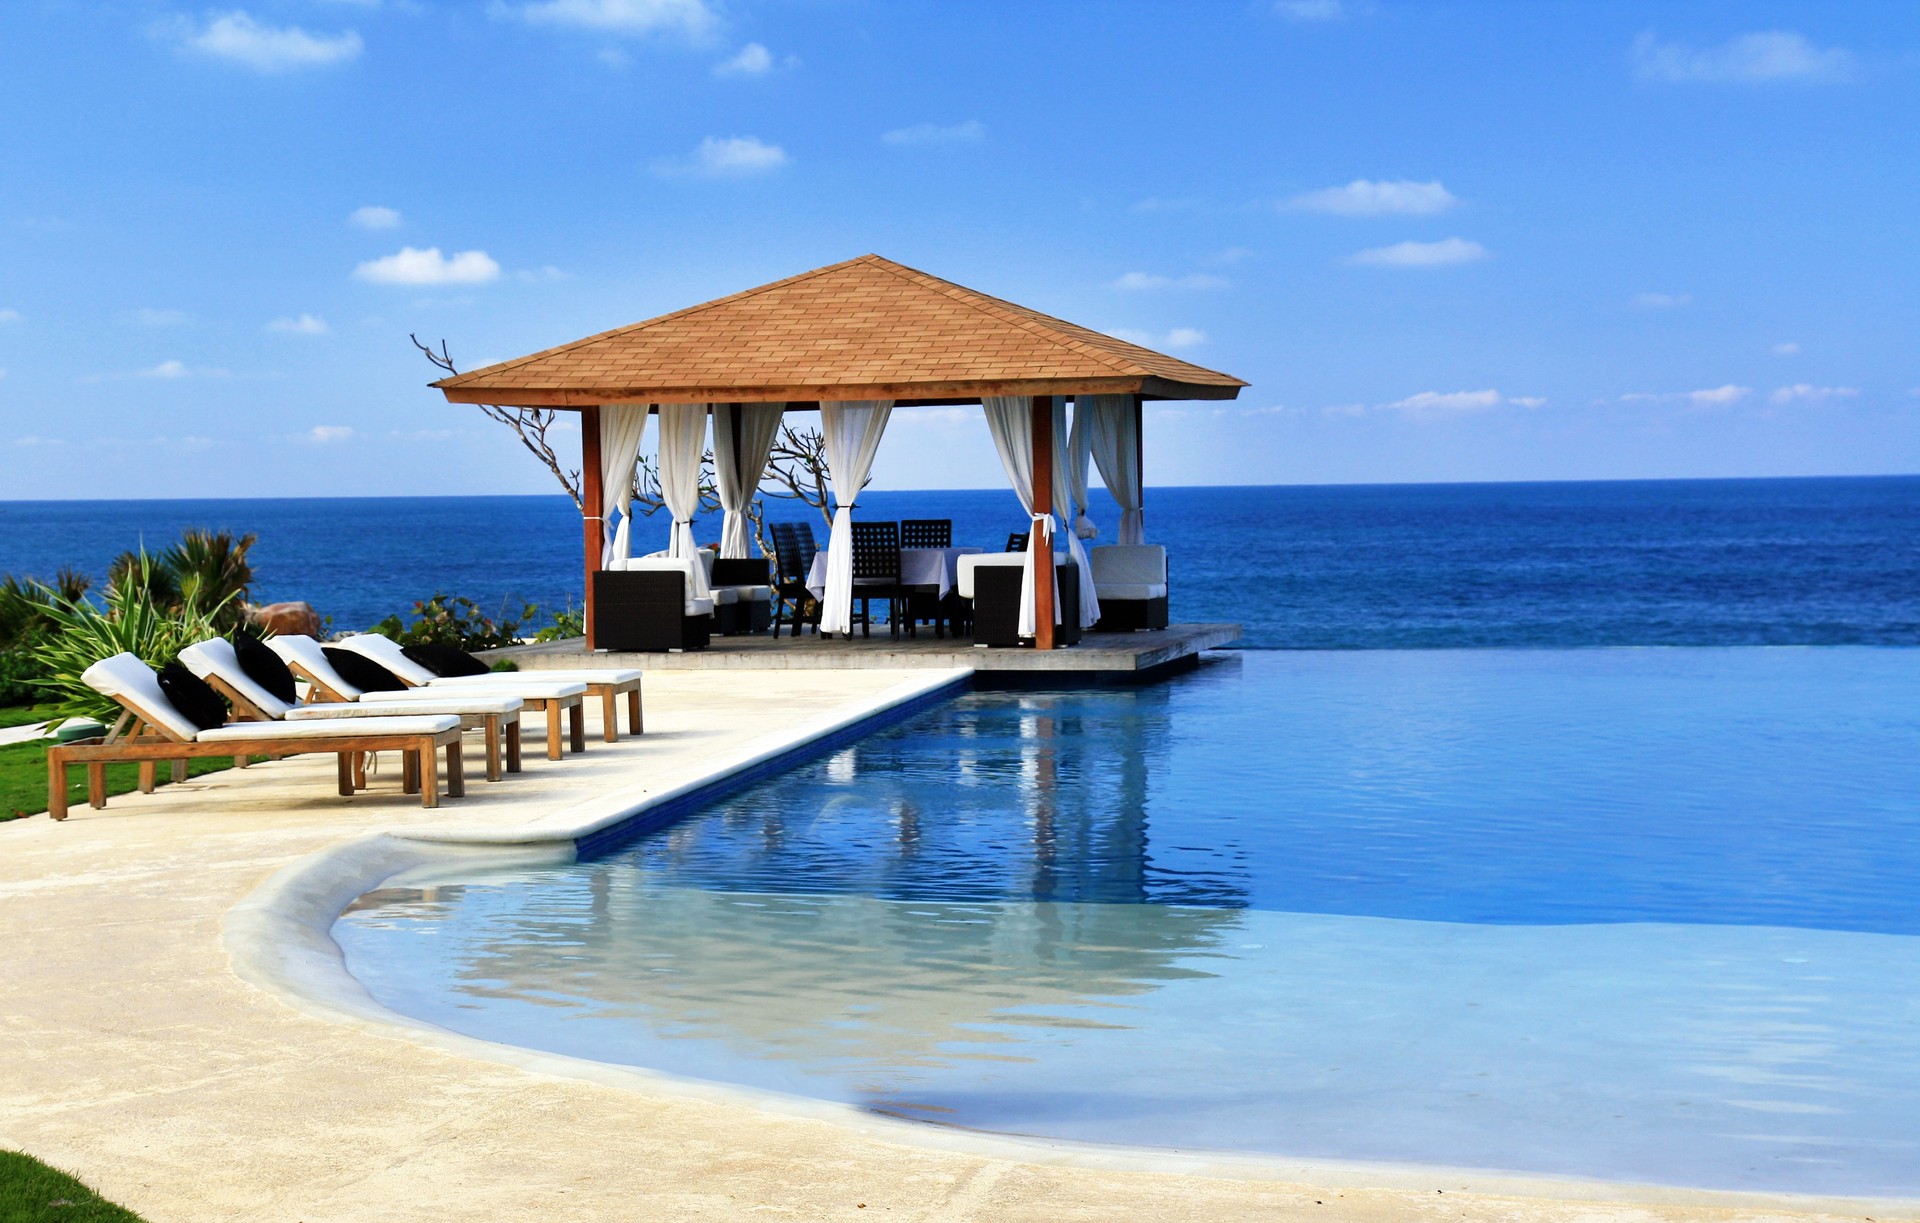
(1442, 241)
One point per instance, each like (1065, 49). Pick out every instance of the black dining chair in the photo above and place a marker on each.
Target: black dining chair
(924, 602)
(926, 532)
(876, 572)
(793, 550)
(1016, 541)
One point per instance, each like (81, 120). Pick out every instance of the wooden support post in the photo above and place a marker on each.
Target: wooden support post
(592, 507)
(1139, 460)
(1042, 544)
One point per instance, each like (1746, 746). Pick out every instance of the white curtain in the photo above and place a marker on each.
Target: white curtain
(622, 428)
(683, 440)
(1070, 499)
(738, 464)
(1010, 419)
(852, 430)
(1116, 448)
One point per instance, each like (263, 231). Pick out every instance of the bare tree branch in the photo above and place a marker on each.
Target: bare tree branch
(530, 425)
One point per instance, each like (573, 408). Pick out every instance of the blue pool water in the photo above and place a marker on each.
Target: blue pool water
(1642, 562)
(1640, 914)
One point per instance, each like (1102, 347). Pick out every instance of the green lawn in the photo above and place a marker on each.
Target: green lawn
(23, 781)
(24, 715)
(31, 1192)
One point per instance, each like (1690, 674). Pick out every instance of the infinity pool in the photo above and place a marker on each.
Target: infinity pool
(1634, 914)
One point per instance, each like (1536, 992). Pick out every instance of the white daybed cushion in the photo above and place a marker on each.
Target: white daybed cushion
(750, 594)
(478, 704)
(965, 565)
(320, 728)
(545, 675)
(215, 656)
(1128, 564)
(387, 652)
(1124, 591)
(299, 648)
(551, 690)
(126, 678)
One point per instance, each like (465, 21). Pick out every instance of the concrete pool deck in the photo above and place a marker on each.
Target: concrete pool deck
(179, 1035)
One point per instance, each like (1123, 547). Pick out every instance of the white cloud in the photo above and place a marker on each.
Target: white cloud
(170, 370)
(753, 60)
(1661, 301)
(1229, 257)
(546, 273)
(1711, 397)
(689, 17)
(410, 266)
(1759, 58)
(1801, 392)
(305, 324)
(1148, 280)
(11, 316)
(1445, 403)
(1179, 337)
(161, 318)
(1367, 198)
(732, 157)
(1312, 11)
(1444, 253)
(1527, 401)
(373, 216)
(237, 38)
(321, 435)
(972, 131)
(1786, 348)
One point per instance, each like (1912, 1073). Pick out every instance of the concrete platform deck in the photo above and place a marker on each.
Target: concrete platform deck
(1111, 655)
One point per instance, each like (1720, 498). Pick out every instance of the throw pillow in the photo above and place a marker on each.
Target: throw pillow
(264, 667)
(197, 702)
(445, 660)
(360, 671)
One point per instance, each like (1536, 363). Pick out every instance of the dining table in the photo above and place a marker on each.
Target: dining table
(934, 568)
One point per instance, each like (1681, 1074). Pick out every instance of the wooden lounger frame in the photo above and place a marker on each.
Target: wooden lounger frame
(136, 738)
(549, 707)
(501, 729)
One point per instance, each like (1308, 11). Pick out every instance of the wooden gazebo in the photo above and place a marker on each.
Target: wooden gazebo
(866, 329)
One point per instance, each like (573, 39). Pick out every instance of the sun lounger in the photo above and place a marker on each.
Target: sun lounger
(552, 698)
(608, 683)
(150, 729)
(214, 661)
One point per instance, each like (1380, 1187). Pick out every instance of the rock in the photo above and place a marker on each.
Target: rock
(284, 618)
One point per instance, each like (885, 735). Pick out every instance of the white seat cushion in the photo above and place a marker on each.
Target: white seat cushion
(545, 675)
(304, 652)
(1130, 590)
(132, 682)
(699, 607)
(1127, 564)
(748, 594)
(551, 690)
(389, 654)
(476, 705)
(329, 729)
(725, 596)
(215, 657)
(964, 567)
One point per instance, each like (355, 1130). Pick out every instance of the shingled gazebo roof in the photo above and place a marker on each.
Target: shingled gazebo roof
(868, 328)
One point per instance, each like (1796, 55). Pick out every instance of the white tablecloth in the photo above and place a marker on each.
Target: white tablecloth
(918, 567)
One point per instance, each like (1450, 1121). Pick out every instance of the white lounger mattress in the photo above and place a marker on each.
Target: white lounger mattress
(477, 705)
(387, 652)
(478, 692)
(319, 728)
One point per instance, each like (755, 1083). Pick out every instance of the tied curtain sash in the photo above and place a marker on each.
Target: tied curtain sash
(683, 442)
(1116, 450)
(739, 461)
(852, 429)
(623, 426)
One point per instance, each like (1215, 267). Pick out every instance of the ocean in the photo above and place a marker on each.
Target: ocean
(1823, 561)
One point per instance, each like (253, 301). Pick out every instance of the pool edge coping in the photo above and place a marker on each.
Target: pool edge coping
(279, 940)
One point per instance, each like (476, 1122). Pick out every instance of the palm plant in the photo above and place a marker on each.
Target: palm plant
(133, 621)
(210, 569)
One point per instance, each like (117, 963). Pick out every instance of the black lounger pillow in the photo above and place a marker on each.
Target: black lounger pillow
(264, 667)
(445, 661)
(360, 671)
(196, 700)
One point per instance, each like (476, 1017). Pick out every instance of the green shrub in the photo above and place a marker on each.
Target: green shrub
(569, 623)
(447, 620)
(133, 621)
